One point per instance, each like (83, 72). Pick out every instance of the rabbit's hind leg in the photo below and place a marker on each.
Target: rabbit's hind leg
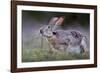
(83, 45)
(82, 49)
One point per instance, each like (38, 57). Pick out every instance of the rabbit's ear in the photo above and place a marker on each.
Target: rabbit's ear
(53, 20)
(59, 21)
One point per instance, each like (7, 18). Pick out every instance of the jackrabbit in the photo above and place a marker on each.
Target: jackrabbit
(63, 40)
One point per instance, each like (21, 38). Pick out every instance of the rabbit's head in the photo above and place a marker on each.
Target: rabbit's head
(49, 30)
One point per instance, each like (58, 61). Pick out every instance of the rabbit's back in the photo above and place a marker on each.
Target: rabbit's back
(69, 36)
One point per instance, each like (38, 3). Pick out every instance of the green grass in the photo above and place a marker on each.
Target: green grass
(39, 54)
(31, 52)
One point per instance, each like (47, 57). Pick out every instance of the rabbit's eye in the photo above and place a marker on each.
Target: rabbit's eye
(48, 26)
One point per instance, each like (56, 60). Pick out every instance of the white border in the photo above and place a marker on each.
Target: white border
(52, 63)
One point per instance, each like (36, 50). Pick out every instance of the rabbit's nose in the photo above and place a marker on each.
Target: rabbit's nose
(41, 31)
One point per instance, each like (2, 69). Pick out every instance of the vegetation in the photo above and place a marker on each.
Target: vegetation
(39, 54)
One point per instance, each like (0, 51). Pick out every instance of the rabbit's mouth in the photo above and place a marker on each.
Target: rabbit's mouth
(41, 31)
(47, 36)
